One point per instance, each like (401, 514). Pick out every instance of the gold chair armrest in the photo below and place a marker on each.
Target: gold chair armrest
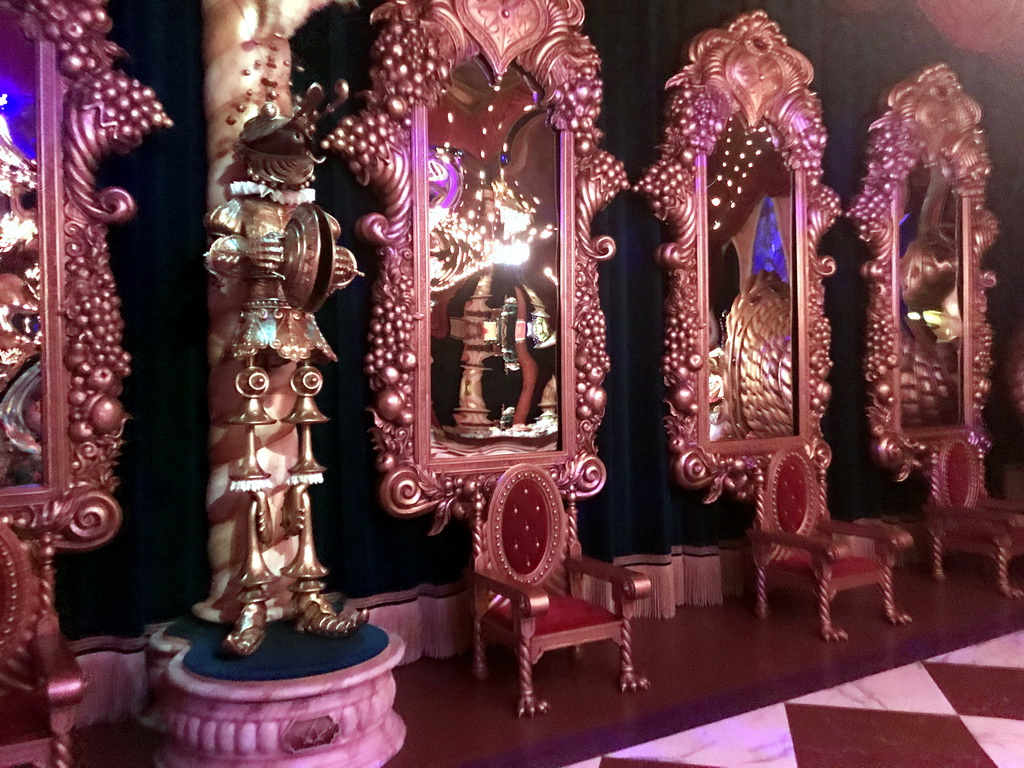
(883, 533)
(817, 546)
(980, 514)
(58, 669)
(632, 584)
(527, 601)
(1012, 508)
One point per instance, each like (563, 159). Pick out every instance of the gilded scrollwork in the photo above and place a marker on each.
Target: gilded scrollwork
(103, 112)
(930, 122)
(420, 44)
(747, 70)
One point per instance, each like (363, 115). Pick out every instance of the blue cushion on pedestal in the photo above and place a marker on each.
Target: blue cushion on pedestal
(284, 655)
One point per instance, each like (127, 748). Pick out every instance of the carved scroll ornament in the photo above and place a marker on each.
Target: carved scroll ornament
(420, 44)
(748, 70)
(103, 112)
(930, 121)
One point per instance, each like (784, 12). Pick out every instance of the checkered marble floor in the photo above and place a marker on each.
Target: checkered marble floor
(963, 709)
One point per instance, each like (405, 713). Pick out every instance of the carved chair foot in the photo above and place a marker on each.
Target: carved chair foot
(530, 705)
(761, 610)
(833, 634)
(898, 619)
(1012, 592)
(632, 682)
(938, 574)
(249, 631)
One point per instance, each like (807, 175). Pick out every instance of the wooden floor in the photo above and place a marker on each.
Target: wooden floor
(705, 664)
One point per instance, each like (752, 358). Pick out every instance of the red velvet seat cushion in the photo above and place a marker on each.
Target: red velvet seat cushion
(25, 717)
(799, 561)
(564, 613)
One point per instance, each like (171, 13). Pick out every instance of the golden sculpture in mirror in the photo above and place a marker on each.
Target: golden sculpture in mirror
(63, 109)
(738, 185)
(487, 338)
(922, 212)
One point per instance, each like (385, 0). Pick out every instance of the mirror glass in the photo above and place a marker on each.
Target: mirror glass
(930, 279)
(750, 286)
(494, 267)
(21, 379)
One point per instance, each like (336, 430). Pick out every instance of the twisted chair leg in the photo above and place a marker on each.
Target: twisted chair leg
(529, 704)
(829, 631)
(479, 655)
(629, 680)
(891, 614)
(762, 592)
(1003, 566)
(61, 751)
(937, 572)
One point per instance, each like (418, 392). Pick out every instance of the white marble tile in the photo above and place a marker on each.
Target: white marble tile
(904, 689)
(1006, 651)
(1002, 740)
(594, 762)
(759, 738)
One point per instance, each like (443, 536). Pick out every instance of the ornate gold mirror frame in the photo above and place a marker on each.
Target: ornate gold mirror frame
(930, 129)
(84, 110)
(417, 60)
(743, 85)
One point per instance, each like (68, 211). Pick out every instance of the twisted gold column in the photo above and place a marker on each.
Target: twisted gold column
(237, 62)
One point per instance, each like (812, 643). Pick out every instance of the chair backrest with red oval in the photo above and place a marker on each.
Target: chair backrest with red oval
(526, 526)
(958, 475)
(792, 499)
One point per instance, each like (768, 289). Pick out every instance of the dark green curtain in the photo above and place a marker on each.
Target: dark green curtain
(156, 569)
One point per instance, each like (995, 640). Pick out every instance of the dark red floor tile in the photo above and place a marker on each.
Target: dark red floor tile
(835, 737)
(981, 691)
(115, 745)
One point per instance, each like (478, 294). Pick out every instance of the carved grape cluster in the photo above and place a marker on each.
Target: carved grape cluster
(409, 65)
(95, 359)
(592, 363)
(129, 109)
(807, 148)
(576, 103)
(365, 141)
(893, 154)
(694, 118)
(78, 29)
(389, 365)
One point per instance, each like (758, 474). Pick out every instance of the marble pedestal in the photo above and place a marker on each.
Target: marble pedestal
(341, 718)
